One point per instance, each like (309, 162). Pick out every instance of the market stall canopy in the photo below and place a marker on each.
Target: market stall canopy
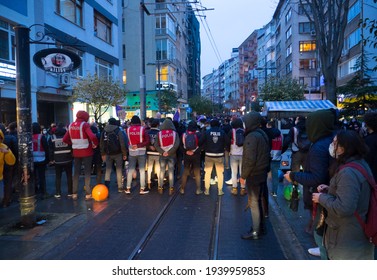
(305, 106)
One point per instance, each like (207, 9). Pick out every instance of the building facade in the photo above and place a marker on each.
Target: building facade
(172, 52)
(88, 28)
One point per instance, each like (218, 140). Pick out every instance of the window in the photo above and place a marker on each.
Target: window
(71, 10)
(307, 46)
(352, 40)
(123, 25)
(102, 27)
(347, 68)
(314, 82)
(124, 78)
(304, 8)
(353, 11)
(7, 49)
(165, 49)
(301, 81)
(165, 25)
(104, 69)
(278, 47)
(123, 51)
(79, 72)
(305, 27)
(288, 67)
(278, 62)
(288, 51)
(288, 15)
(307, 64)
(288, 33)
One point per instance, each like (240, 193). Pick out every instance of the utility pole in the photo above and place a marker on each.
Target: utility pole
(23, 100)
(159, 84)
(143, 107)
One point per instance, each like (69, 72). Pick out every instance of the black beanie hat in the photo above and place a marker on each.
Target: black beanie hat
(135, 120)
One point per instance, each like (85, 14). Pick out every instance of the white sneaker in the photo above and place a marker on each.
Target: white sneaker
(229, 182)
(213, 182)
(314, 252)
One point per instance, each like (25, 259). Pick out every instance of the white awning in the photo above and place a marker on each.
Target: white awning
(297, 106)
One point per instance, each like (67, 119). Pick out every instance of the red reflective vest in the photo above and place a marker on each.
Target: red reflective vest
(39, 154)
(135, 134)
(78, 137)
(167, 139)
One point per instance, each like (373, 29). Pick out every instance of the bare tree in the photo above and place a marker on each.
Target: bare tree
(329, 18)
(99, 94)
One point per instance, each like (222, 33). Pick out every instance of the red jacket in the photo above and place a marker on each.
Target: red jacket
(80, 136)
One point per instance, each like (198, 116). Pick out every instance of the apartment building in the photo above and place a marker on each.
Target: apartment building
(248, 81)
(88, 28)
(296, 54)
(172, 52)
(353, 47)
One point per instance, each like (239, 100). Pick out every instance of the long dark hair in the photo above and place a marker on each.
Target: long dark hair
(353, 145)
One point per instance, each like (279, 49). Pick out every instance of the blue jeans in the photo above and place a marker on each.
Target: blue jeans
(153, 160)
(118, 159)
(275, 165)
(170, 162)
(235, 166)
(132, 161)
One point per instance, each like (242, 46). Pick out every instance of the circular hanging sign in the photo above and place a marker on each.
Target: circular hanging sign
(57, 60)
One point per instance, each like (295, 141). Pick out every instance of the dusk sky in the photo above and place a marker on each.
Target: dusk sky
(230, 23)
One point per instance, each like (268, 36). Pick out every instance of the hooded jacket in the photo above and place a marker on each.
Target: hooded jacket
(167, 125)
(112, 128)
(320, 131)
(256, 148)
(82, 146)
(5, 158)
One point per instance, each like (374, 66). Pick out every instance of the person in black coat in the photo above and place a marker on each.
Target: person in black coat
(61, 157)
(370, 120)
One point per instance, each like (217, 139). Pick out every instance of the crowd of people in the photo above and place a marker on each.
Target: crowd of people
(156, 153)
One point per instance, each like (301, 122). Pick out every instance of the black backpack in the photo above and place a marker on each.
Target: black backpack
(111, 142)
(303, 143)
(190, 141)
(239, 137)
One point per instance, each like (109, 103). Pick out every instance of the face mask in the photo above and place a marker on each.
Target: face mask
(332, 150)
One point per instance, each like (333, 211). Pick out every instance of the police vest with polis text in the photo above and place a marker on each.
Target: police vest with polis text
(167, 139)
(135, 135)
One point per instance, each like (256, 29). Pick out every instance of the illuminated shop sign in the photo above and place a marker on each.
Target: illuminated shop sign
(57, 60)
(7, 70)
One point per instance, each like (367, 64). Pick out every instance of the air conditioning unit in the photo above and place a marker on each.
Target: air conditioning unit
(312, 33)
(65, 79)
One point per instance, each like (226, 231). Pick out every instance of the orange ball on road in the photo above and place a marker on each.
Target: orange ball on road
(100, 192)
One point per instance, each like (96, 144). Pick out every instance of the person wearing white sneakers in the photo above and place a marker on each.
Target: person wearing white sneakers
(236, 135)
